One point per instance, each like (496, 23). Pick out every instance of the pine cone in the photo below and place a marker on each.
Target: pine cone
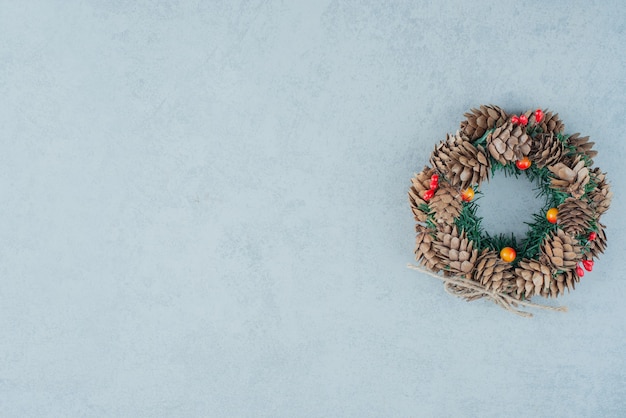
(570, 179)
(456, 251)
(550, 123)
(533, 278)
(575, 215)
(460, 162)
(546, 150)
(446, 204)
(560, 251)
(508, 143)
(566, 279)
(598, 245)
(480, 120)
(494, 273)
(425, 253)
(602, 195)
(583, 146)
(419, 184)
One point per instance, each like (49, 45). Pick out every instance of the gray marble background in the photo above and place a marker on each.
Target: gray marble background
(204, 208)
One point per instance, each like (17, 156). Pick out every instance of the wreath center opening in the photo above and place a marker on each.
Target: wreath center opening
(507, 204)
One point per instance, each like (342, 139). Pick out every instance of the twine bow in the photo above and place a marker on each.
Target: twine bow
(470, 290)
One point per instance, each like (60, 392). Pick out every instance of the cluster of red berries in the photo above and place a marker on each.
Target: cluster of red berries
(434, 185)
(523, 119)
(587, 264)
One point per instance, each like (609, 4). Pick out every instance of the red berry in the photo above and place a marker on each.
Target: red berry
(434, 178)
(514, 120)
(523, 120)
(428, 194)
(579, 271)
(593, 235)
(434, 185)
(538, 115)
(588, 264)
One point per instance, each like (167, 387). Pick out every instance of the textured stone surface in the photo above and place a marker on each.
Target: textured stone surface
(204, 208)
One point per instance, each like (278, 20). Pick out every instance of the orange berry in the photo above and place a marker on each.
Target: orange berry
(508, 254)
(551, 215)
(523, 164)
(467, 195)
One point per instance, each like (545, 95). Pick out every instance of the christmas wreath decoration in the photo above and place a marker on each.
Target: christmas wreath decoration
(562, 241)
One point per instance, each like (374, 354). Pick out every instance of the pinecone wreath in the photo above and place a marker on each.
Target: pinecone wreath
(562, 242)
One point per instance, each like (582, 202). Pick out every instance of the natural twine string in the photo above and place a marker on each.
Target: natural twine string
(469, 290)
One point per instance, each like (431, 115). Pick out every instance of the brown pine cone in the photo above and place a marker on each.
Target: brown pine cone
(598, 245)
(560, 251)
(494, 273)
(419, 184)
(446, 204)
(508, 143)
(582, 145)
(480, 120)
(425, 253)
(532, 278)
(575, 215)
(456, 251)
(566, 279)
(460, 162)
(546, 150)
(570, 179)
(602, 195)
